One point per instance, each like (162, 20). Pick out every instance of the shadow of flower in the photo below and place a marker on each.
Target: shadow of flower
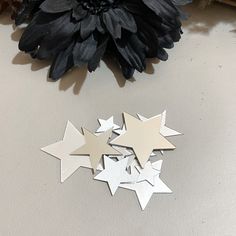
(5, 18)
(202, 21)
(75, 78)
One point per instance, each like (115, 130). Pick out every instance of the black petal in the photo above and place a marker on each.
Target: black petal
(94, 61)
(88, 25)
(133, 52)
(62, 63)
(79, 13)
(56, 6)
(84, 51)
(115, 19)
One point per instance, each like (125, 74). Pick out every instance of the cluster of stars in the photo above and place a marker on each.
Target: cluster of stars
(127, 161)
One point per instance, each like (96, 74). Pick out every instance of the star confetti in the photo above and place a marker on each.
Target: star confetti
(144, 190)
(106, 125)
(143, 137)
(62, 149)
(114, 173)
(127, 160)
(148, 173)
(96, 146)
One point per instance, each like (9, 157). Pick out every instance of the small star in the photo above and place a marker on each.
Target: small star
(96, 146)
(106, 125)
(114, 173)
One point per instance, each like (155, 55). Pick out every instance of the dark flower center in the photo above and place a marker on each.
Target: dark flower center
(98, 6)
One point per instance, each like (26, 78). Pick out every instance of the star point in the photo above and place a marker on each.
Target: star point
(148, 173)
(120, 131)
(164, 130)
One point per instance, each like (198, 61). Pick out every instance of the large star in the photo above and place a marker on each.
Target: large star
(72, 139)
(144, 190)
(164, 130)
(143, 137)
(95, 147)
(114, 173)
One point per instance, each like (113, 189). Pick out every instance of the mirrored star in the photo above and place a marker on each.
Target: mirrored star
(148, 173)
(144, 190)
(114, 173)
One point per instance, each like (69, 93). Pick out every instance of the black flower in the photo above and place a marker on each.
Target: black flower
(77, 32)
